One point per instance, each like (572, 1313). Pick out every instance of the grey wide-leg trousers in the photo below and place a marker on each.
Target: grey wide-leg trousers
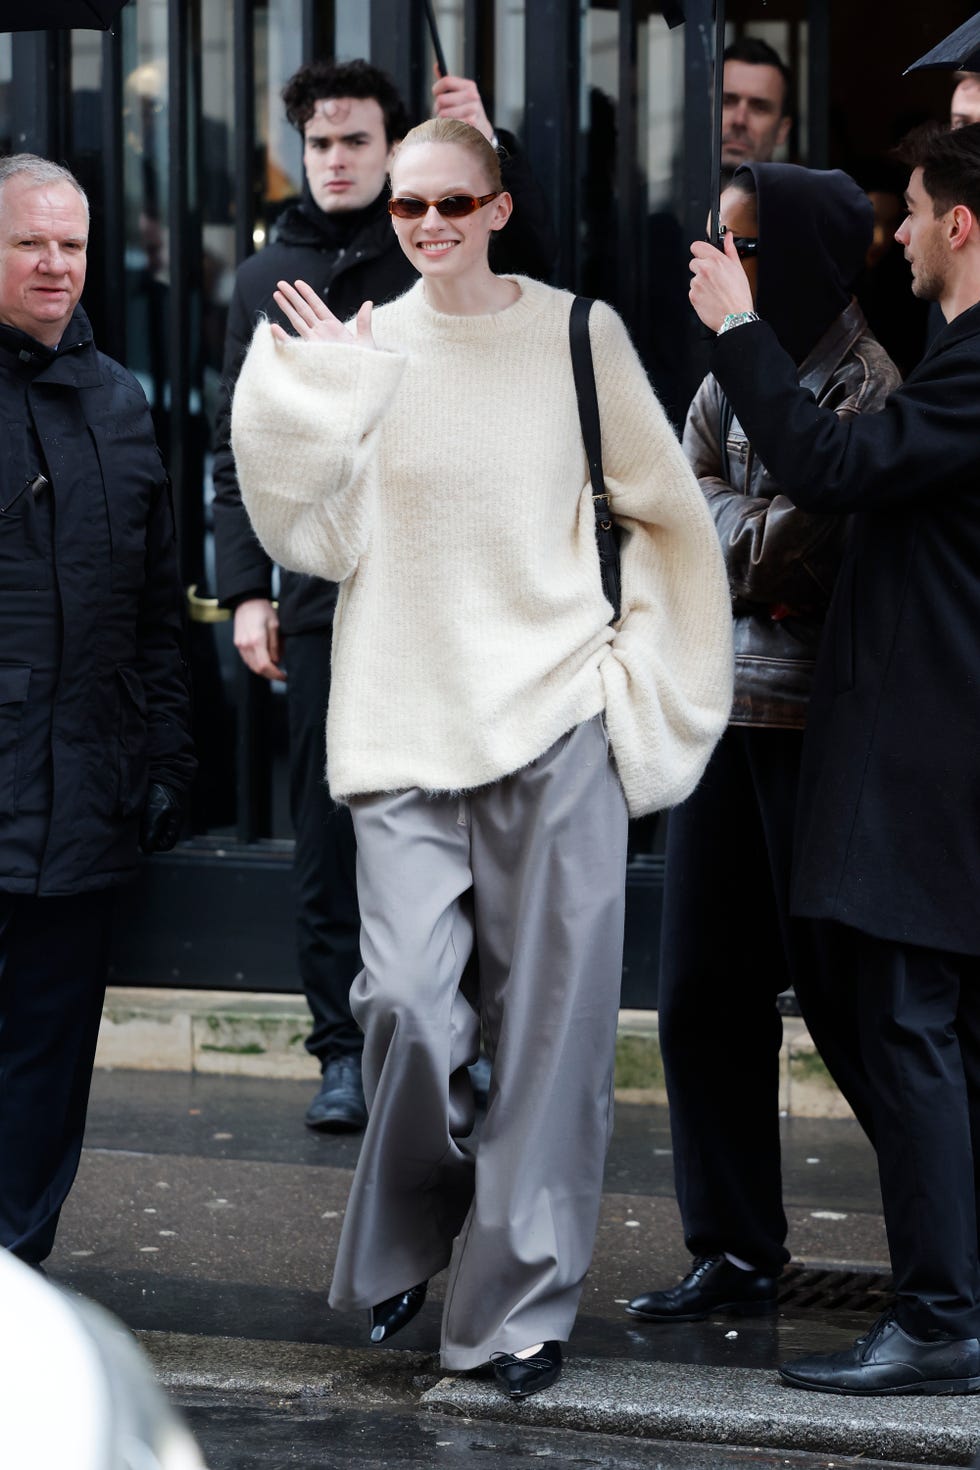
(521, 884)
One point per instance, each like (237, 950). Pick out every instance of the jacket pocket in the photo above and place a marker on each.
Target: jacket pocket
(15, 680)
(131, 739)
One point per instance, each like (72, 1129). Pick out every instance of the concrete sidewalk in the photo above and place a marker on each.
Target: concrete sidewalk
(207, 1217)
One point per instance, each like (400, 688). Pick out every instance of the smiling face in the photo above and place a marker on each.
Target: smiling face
(922, 236)
(346, 153)
(43, 237)
(438, 247)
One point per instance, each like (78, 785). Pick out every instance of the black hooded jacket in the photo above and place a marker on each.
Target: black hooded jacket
(93, 684)
(815, 227)
(814, 230)
(347, 259)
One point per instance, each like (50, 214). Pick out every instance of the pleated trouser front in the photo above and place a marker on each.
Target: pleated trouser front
(505, 903)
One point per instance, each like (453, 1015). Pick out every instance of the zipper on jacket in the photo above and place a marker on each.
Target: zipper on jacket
(35, 486)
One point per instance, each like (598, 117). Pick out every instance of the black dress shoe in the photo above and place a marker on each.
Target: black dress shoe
(520, 1377)
(391, 1315)
(339, 1105)
(887, 1360)
(714, 1285)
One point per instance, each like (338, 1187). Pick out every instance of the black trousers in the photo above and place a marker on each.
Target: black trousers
(729, 947)
(53, 962)
(327, 919)
(919, 1019)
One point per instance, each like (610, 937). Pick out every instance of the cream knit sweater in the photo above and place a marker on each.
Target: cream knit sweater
(443, 482)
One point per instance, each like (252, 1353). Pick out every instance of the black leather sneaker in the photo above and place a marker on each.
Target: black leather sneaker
(339, 1106)
(888, 1360)
(713, 1285)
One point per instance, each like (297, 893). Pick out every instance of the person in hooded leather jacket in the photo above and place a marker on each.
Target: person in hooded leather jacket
(339, 239)
(95, 744)
(729, 944)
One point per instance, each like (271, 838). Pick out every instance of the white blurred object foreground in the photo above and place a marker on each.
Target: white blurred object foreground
(75, 1389)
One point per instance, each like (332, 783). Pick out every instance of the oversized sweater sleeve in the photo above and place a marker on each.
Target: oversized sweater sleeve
(304, 424)
(669, 671)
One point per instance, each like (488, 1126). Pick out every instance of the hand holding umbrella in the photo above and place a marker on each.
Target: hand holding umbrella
(460, 98)
(720, 286)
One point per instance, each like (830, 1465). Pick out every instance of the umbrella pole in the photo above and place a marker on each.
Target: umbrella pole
(714, 184)
(430, 16)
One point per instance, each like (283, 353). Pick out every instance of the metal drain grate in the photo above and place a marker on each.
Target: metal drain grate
(806, 1288)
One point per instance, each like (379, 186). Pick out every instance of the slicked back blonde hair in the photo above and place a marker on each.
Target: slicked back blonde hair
(460, 135)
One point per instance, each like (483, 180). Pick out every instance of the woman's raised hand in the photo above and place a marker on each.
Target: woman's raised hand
(315, 322)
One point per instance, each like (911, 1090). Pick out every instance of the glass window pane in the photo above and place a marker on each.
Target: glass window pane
(146, 161)
(86, 162)
(278, 53)
(508, 102)
(6, 75)
(449, 20)
(217, 192)
(353, 29)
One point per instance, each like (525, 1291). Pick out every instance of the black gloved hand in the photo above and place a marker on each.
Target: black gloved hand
(160, 822)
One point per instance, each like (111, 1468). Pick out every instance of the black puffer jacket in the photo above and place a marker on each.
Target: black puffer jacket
(782, 561)
(347, 260)
(93, 686)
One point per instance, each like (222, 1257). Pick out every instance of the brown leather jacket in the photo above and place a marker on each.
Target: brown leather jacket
(781, 561)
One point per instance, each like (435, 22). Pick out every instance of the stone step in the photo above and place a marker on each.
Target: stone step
(654, 1400)
(248, 1034)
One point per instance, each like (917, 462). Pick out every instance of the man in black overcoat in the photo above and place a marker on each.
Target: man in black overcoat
(339, 239)
(888, 820)
(95, 748)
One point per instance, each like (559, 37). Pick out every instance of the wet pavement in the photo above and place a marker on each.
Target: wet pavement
(205, 1215)
(256, 1436)
(204, 1205)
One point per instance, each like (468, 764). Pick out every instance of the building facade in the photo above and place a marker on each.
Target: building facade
(174, 125)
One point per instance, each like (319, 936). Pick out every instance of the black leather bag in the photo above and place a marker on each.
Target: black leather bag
(607, 533)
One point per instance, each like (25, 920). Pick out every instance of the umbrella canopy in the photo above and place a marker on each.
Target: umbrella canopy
(959, 52)
(58, 15)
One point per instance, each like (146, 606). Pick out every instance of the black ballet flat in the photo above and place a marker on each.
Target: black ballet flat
(390, 1316)
(520, 1377)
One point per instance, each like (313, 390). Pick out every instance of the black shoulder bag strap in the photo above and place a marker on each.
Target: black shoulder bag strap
(606, 535)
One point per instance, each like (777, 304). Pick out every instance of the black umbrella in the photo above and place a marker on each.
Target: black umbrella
(959, 52)
(58, 15)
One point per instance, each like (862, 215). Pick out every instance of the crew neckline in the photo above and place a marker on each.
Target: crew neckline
(507, 319)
